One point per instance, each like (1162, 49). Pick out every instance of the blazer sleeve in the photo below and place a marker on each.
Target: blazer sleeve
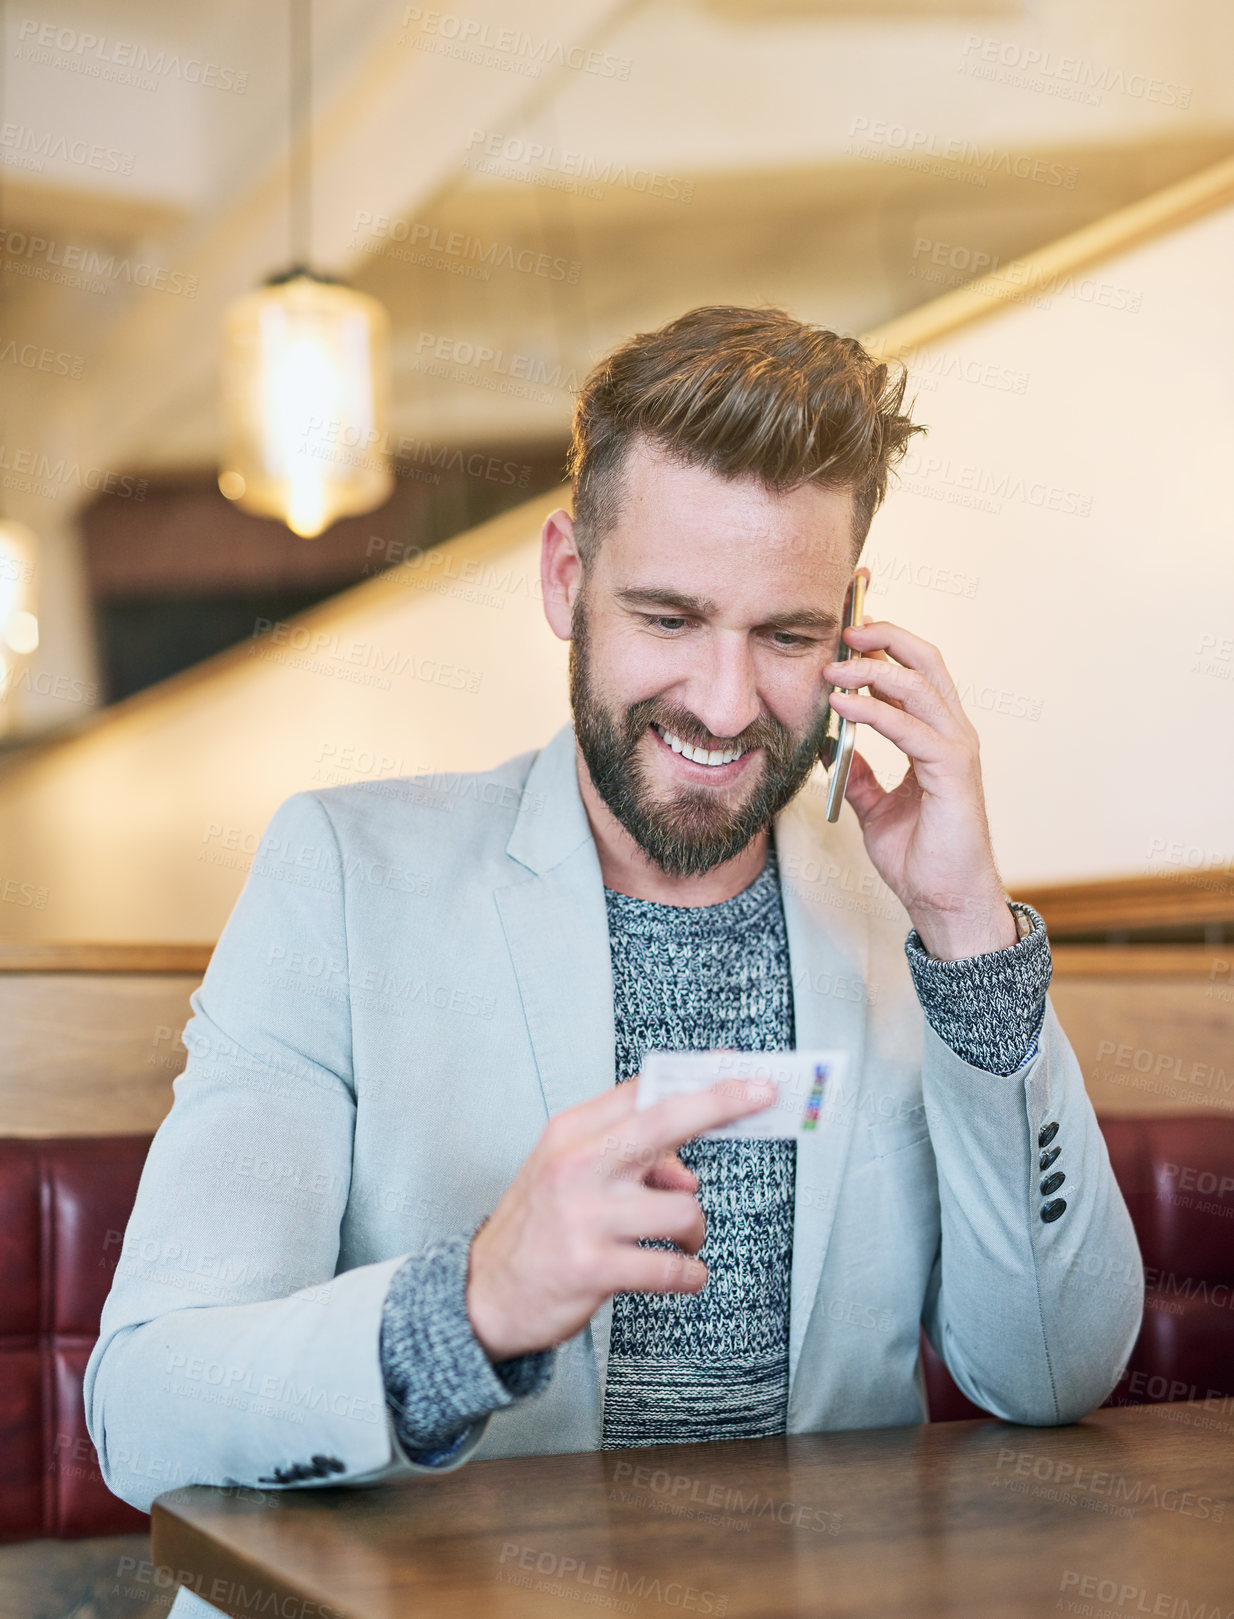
(1035, 1317)
(230, 1349)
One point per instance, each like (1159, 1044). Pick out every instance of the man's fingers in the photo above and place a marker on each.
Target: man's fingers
(669, 1174)
(599, 1113)
(674, 1216)
(921, 742)
(908, 690)
(658, 1270)
(880, 635)
(645, 1136)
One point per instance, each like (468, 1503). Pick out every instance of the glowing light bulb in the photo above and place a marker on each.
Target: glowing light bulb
(22, 634)
(305, 385)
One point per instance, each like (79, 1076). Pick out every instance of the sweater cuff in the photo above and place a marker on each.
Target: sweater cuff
(438, 1380)
(990, 1008)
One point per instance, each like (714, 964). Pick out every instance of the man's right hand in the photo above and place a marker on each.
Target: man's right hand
(565, 1236)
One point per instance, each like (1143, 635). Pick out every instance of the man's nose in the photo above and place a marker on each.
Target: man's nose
(723, 692)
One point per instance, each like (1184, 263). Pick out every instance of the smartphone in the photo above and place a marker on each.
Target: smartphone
(837, 750)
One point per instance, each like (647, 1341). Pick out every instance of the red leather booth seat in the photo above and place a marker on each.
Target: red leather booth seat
(1177, 1176)
(64, 1205)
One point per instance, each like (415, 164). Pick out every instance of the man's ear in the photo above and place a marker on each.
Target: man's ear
(561, 572)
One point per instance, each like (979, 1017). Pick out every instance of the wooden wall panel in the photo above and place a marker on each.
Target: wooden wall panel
(94, 1052)
(89, 1053)
(1153, 1029)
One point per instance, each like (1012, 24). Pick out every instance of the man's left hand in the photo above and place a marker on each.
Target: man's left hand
(928, 837)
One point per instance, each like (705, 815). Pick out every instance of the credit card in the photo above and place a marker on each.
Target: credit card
(802, 1080)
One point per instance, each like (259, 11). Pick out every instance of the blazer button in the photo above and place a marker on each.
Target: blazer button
(1052, 1182)
(1047, 1135)
(1047, 1158)
(1051, 1211)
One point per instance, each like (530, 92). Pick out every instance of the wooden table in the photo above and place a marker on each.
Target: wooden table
(1128, 1513)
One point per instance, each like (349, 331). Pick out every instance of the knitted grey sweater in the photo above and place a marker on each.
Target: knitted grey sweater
(709, 1365)
(712, 1365)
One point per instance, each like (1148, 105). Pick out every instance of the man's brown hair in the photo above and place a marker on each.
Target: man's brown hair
(742, 392)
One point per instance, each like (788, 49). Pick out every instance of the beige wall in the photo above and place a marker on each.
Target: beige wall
(1079, 640)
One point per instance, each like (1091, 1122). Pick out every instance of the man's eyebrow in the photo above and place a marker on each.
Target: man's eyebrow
(806, 619)
(701, 606)
(652, 596)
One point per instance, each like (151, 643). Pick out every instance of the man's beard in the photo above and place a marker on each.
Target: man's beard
(694, 828)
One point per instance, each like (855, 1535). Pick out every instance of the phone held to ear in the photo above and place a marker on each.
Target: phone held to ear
(836, 752)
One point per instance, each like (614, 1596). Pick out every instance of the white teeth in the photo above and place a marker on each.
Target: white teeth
(701, 756)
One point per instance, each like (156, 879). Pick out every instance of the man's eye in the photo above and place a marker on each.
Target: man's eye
(786, 638)
(667, 623)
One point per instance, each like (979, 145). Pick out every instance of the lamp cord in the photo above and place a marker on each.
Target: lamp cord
(301, 157)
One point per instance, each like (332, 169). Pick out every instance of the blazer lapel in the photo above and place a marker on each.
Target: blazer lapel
(828, 948)
(556, 927)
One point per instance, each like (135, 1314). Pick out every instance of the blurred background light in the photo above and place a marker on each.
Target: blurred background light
(305, 389)
(19, 628)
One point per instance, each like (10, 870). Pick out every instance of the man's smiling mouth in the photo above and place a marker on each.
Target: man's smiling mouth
(700, 756)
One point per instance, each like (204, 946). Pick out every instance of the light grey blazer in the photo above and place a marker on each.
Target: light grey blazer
(415, 978)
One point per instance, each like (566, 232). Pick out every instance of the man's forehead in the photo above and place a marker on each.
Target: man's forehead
(810, 520)
(704, 552)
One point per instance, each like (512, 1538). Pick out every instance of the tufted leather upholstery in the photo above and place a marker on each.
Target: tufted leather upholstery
(64, 1205)
(1177, 1176)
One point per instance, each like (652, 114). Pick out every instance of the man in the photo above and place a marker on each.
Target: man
(403, 1211)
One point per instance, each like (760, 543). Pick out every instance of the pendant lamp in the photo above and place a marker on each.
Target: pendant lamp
(305, 372)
